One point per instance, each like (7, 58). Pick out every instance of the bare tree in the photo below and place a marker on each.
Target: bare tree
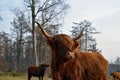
(1, 61)
(0, 16)
(117, 62)
(5, 43)
(20, 27)
(46, 12)
(87, 42)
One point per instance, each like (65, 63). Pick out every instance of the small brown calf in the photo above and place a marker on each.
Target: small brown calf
(37, 71)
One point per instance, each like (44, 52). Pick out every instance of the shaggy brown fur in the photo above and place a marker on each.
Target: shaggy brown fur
(37, 71)
(116, 75)
(68, 63)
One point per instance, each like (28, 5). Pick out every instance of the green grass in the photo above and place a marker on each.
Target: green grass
(17, 76)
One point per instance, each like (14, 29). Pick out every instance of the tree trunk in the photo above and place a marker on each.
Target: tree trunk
(34, 32)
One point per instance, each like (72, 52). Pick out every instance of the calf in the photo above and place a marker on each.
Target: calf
(37, 71)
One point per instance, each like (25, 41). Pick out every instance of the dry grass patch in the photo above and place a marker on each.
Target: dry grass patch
(17, 76)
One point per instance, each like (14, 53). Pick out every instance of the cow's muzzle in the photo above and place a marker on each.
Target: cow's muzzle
(70, 55)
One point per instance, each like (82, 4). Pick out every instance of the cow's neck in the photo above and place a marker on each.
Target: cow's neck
(54, 63)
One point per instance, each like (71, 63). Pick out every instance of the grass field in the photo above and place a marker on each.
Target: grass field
(15, 76)
(19, 78)
(3, 77)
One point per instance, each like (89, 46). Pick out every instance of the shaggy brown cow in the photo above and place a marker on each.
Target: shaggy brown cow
(69, 63)
(37, 71)
(116, 75)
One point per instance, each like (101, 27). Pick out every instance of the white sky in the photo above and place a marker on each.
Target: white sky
(104, 15)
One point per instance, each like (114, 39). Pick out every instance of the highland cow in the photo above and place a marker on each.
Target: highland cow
(116, 75)
(37, 71)
(69, 63)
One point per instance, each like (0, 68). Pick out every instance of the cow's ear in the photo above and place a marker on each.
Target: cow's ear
(76, 44)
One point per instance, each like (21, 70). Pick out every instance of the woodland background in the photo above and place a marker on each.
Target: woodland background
(25, 45)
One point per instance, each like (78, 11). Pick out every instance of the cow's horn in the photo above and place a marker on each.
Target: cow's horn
(81, 33)
(43, 31)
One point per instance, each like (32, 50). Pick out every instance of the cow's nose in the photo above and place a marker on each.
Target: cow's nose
(69, 53)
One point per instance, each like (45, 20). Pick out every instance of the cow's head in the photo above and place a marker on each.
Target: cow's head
(62, 45)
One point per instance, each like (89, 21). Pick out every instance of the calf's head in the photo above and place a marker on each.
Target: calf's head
(44, 65)
(62, 45)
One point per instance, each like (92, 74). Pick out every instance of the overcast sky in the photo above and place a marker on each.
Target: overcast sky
(104, 15)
